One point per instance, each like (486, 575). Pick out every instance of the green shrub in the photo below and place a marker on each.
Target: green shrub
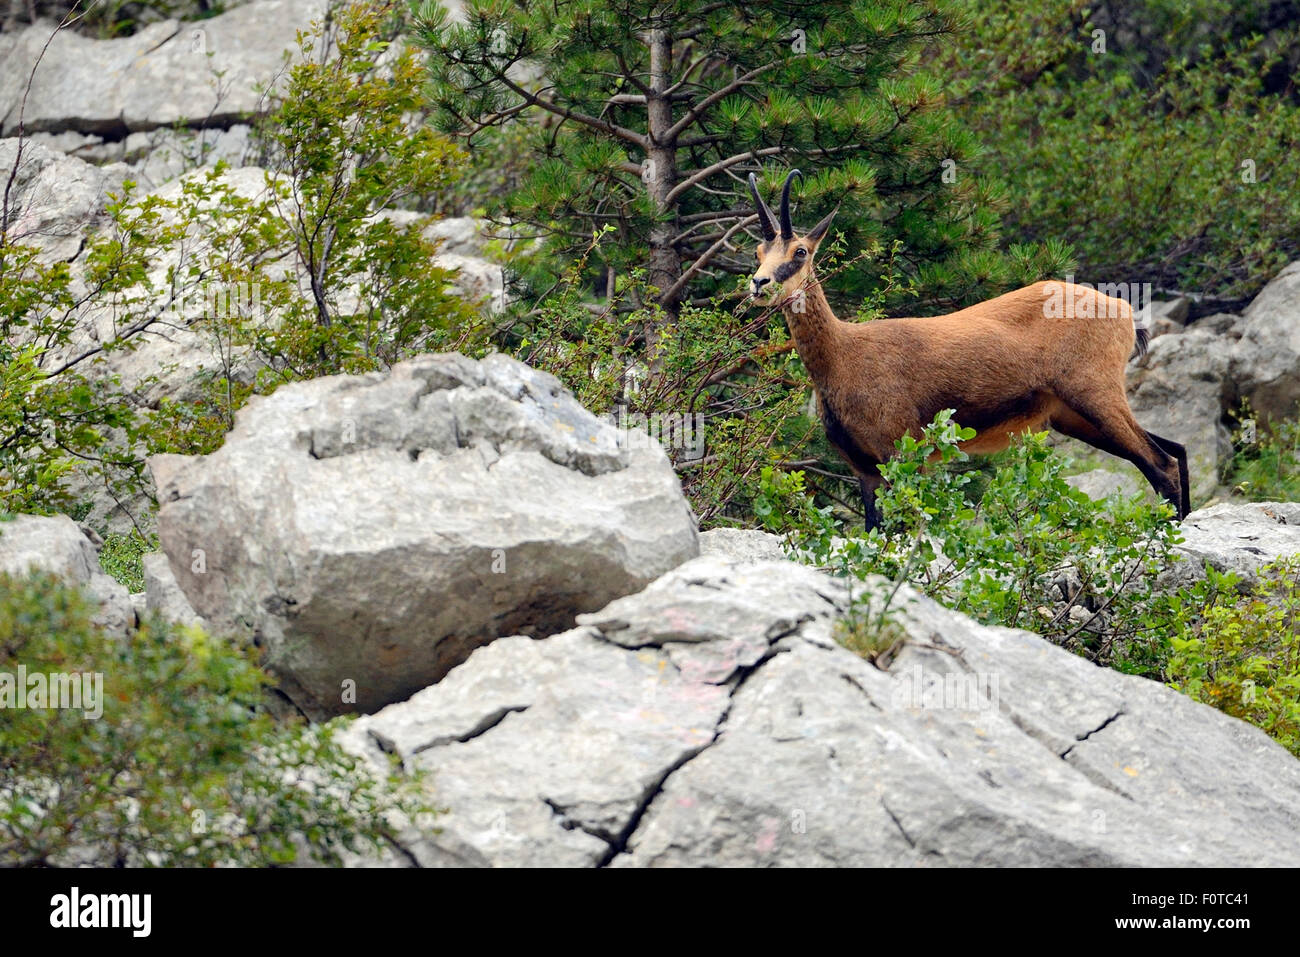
(1265, 465)
(1157, 137)
(1023, 550)
(183, 767)
(122, 556)
(1244, 657)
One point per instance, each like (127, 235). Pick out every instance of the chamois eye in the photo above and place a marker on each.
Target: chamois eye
(800, 253)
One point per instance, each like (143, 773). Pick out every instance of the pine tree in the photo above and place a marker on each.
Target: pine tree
(655, 113)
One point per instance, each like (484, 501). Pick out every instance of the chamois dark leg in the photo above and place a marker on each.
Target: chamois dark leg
(868, 486)
(1120, 435)
(1179, 452)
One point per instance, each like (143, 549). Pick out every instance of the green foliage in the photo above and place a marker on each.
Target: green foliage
(122, 556)
(1265, 465)
(183, 767)
(655, 114)
(1244, 657)
(323, 248)
(349, 152)
(1028, 551)
(52, 411)
(1161, 148)
(195, 426)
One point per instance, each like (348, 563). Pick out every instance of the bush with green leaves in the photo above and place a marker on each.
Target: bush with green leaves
(122, 556)
(183, 767)
(1024, 550)
(1265, 465)
(352, 155)
(1156, 137)
(1243, 657)
(350, 158)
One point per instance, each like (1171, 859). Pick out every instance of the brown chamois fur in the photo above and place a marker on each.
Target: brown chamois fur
(1010, 365)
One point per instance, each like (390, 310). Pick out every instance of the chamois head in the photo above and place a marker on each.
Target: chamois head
(784, 259)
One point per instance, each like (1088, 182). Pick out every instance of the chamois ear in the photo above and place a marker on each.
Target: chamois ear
(765, 220)
(818, 231)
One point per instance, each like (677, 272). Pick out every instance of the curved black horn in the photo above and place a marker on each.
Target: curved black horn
(765, 222)
(787, 231)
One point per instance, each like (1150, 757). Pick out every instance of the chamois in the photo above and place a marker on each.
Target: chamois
(1050, 354)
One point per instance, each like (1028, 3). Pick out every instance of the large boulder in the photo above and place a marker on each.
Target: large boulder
(376, 529)
(206, 72)
(57, 546)
(1266, 360)
(712, 719)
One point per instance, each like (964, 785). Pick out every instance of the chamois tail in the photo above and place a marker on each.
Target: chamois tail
(1142, 335)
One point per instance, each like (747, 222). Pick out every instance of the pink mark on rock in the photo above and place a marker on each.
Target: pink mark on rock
(765, 843)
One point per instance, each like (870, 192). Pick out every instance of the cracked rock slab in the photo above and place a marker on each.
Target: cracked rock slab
(376, 529)
(608, 745)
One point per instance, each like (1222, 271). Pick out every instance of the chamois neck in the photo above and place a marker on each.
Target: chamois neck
(813, 327)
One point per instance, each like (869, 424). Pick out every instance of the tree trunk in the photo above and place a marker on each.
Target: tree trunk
(660, 177)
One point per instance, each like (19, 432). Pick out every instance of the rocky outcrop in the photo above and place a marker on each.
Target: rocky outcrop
(55, 199)
(1266, 361)
(1167, 316)
(371, 531)
(712, 719)
(199, 73)
(56, 545)
(742, 544)
(1102, 483)
(160, 155)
